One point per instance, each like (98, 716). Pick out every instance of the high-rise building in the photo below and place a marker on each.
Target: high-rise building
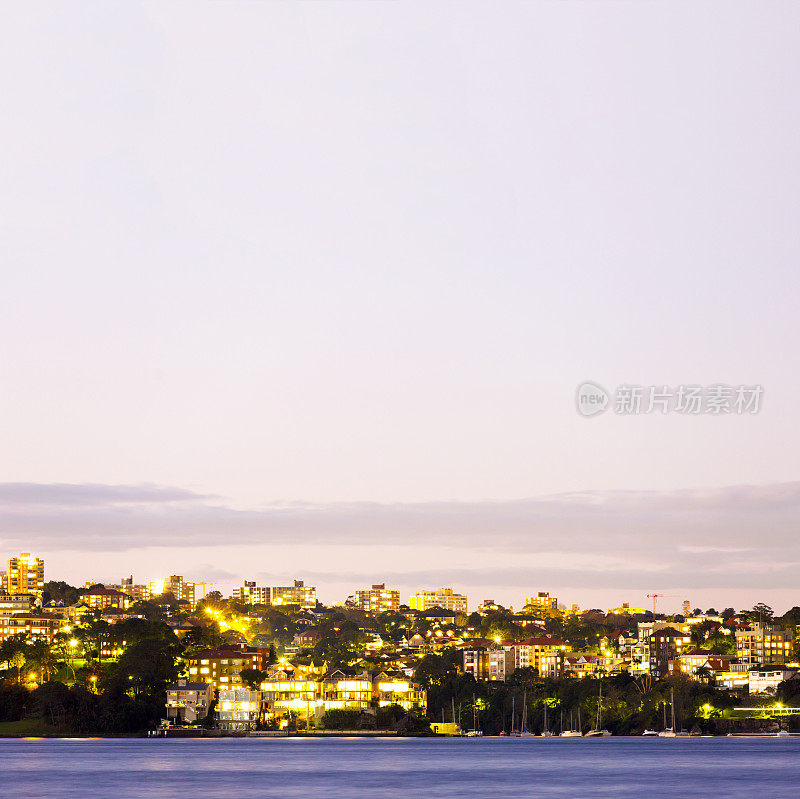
(542, 601)
(25, 575)
(175, 585)
(443, 598)
(298, 594)
(378, 599)
(251, 594)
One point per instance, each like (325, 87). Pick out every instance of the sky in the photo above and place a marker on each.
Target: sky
(305, 290)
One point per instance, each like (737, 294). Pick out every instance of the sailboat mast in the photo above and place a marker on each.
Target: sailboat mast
(599, 708)
(672, 698)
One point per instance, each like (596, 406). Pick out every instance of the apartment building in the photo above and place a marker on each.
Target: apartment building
(252, 594)
(529, 653)
(104, 598)
(663, 645)
(175, 585)
(36, 626)
(378, 599)
(221, 666)
(489, 664)
(138, 592)
(298, 594)
(25, 575)
(760, 645)
(443, 598)
(15, 604)
(541, 601)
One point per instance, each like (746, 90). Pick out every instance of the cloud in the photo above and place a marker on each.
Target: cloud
(731, 535)
(67, 495)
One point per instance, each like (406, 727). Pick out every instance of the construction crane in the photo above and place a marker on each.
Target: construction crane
(653, 597)
(204, 583)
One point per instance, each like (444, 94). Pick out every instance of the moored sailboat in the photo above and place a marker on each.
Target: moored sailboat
(599, 731)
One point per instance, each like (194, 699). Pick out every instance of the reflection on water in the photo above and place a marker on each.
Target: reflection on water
(410, 767)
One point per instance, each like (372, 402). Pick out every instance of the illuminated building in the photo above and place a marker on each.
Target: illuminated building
(298, 594)
(251, 594)
(759, 645)
(103, 598)
(579, 665)
(626, 610)
(188, 702)
(378, 599)
(36, 626)
(542, 601)
(309, 696)
(664, 645)
(238, 709)
(489, 606)
(221, 666)
(489, 664)
(138, 592)
(15, 604)
(443, 598)
(25, 575)
(528, 653)
(766, 679)
(175, 585)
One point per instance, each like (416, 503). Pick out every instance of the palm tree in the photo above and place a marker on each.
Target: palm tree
(42, 655)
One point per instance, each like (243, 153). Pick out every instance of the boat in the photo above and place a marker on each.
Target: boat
(783, 734)
(545, 732)
(572, 732)
(523, 733)
(598, 731)
(476, 730)
(650, 734)
(669, 732)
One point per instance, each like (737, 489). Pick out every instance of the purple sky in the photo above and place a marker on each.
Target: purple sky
(306, 290)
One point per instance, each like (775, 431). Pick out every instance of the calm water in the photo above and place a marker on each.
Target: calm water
(245, 768)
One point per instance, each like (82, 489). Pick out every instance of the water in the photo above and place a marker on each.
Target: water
(407, 767)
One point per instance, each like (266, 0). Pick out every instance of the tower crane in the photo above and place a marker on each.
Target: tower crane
(654, 596)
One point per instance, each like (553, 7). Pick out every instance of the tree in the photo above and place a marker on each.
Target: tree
(59, 591)
(53, 700)
(340, 719)
(433, 670)
(252, 678)
(10, 647)
(146, 668)
(41, 656)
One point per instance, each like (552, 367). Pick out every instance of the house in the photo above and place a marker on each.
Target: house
(766, 679)
(309, 695)
(188, 702)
